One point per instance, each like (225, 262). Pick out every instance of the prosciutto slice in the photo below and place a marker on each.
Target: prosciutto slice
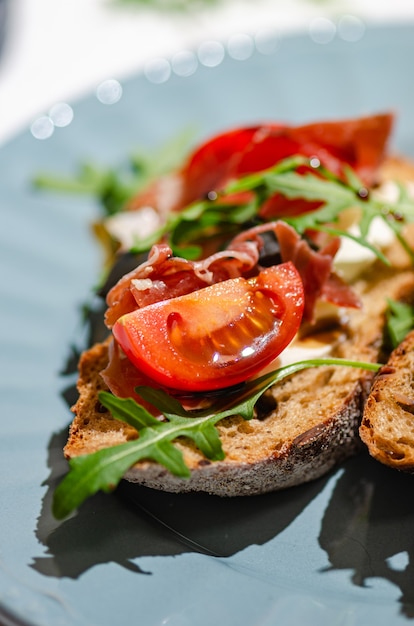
(314, 266)
(165, 276)
(122, 377)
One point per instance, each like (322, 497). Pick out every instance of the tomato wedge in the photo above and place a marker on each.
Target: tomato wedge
(218, 336)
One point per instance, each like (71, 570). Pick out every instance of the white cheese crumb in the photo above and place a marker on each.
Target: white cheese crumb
(131, 226)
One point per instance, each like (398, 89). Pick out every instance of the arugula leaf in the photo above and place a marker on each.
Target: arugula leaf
(104, 469)
(113, 187)
(223, 216)
(400, 320)
(335, 196)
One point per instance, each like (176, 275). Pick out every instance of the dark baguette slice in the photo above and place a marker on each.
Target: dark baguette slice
(387, 427)
(312, 426)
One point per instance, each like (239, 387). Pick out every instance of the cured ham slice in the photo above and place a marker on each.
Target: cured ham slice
(314, 265)
(165, 276)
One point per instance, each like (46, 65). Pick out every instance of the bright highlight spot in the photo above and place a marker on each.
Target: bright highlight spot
(109, 91)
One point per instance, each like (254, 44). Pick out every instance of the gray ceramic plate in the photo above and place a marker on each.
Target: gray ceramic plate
(338, 551)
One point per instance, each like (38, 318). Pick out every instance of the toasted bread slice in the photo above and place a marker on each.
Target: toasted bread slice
(387, 426)
(311, 425)
(306, 424)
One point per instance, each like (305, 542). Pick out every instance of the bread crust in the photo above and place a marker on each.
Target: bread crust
(387, 426)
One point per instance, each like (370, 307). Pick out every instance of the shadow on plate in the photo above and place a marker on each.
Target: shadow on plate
(136, 522)
(367, 527)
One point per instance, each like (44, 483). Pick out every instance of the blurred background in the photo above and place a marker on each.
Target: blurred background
(56, 50)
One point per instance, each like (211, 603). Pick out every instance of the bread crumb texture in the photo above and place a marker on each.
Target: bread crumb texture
(387, 426)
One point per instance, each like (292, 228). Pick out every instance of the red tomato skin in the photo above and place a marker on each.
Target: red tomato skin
(194, 342)
(358, 142)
